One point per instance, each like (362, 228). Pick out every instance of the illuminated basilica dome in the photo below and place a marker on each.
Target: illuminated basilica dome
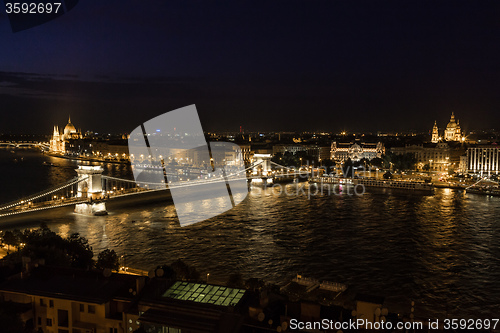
(453, 131)
(452, 124)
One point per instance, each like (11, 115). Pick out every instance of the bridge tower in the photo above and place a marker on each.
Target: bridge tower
(262, 169)
(264, 164)
(90, 187)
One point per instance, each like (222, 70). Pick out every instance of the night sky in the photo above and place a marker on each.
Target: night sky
(264, 65)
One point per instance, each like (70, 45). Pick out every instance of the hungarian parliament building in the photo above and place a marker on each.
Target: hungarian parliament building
(59, 140)
(72, 143)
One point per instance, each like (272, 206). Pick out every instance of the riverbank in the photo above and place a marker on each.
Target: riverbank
(86, 159)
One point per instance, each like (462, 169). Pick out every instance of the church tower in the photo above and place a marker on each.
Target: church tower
(55, 141)
(435, 133)
(458, 132)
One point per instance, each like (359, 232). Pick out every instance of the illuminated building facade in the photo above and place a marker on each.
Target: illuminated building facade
(59, 140)
(317, 152)
(483, 160)
(281, 148)
(442, 156)
(61, 300)
(116, 151)
(340, 152)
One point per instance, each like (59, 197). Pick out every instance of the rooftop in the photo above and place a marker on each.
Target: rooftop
(205, 293)
(74, 284)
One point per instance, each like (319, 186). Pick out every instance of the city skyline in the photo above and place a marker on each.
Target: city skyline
(353, 128)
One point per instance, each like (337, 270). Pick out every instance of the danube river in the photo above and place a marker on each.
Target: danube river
(441, 251)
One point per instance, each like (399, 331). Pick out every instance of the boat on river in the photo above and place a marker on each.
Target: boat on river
(409, 185)
(494, 192)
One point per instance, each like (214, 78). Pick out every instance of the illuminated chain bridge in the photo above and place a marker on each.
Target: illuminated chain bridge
(25, 145)
(91, 187)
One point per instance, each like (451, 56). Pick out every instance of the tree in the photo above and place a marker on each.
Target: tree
(387, 175)
(307, 159)
(80, 252)
(377, 162)
(348, 168)
(287, 159)
(43, 243)
(328, 165)
(296, 159)
(277, 158)
(401, 162)
(10, 239)
(107, 259)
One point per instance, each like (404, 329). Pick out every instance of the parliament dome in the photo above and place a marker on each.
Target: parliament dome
(70, 128)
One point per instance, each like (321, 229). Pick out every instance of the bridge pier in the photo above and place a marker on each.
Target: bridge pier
(90, 187)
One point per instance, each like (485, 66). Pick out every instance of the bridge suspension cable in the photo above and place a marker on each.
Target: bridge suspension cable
(253, 165)
(42, 194)
(480, 180)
